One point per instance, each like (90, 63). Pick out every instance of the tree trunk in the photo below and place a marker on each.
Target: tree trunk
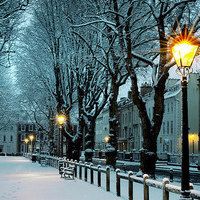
(78, 138)
(89, 140)
(111, 153)
(149, 155)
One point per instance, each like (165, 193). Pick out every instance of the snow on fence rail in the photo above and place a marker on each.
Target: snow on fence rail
(165, 186)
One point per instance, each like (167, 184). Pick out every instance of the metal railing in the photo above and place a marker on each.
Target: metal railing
(145, 181)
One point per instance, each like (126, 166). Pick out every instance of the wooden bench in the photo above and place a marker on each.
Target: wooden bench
(43, 162)
(67, 172)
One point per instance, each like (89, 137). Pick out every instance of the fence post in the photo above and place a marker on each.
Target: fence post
(146, 187)
(85, 171)
(67, 163)
(191, 188)
(165, 192)
(130, 185)
(117, 182)
(80, 170)
(99, 176)
(108, 178)
(75, 168)
(91, 174)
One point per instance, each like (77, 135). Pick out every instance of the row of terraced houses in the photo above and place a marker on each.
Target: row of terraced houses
(169, 140)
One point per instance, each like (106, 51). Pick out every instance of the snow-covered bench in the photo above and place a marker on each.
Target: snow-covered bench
(43, 162)
(67, 171)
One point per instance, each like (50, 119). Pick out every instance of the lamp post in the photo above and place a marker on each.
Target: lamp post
(26, 141)
(31, 138)
(61, 120)
(184, 48)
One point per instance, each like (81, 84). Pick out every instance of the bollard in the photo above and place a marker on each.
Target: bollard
(146, 187)
(117, 182)
(130, 185)
(99, 176)
(171, 175)
(165, 192)
(108, 178)
(75, 168)
(91, 174)
(80, 170)
(85, 171)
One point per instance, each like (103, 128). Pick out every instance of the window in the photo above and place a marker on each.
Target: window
(168, 107)
(167, 127)
(171, 127)
(37, 137)
(160, 140)
(163, 128)
(129, 117)
(172, 107)
(22, 128)
(22, 137)
(4, 138)
(11, 138)
(30, 127)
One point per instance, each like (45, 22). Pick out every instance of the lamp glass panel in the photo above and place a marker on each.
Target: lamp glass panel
(184, 53)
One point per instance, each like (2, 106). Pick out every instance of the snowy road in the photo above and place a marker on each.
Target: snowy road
(21, 179)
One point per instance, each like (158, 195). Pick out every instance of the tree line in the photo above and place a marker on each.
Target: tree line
(75, 55)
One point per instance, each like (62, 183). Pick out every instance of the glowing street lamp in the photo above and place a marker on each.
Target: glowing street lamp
(184, 48)
(61, 119)
(31, 138)
(192, 138)
(107, 138)
(26, 141)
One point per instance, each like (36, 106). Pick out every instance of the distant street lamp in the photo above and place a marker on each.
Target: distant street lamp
(184, 47)
(61, 119)
(26, 147)
(31, 138)
(106, 139)
(192, 137)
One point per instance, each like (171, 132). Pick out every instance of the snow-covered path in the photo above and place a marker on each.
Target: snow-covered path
(21, 179)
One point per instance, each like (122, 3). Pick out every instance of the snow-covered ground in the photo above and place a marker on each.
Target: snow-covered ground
(21, 179)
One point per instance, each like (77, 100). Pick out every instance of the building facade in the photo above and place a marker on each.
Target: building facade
(169, 139)
(9, 138)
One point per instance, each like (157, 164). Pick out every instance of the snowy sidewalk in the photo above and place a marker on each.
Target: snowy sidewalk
(21, 179)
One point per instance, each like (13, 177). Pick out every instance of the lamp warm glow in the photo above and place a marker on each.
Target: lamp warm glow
(31, 137)
(192, 136)
(26, 140)
(107, 138)
(61, 119)
(184, 53)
